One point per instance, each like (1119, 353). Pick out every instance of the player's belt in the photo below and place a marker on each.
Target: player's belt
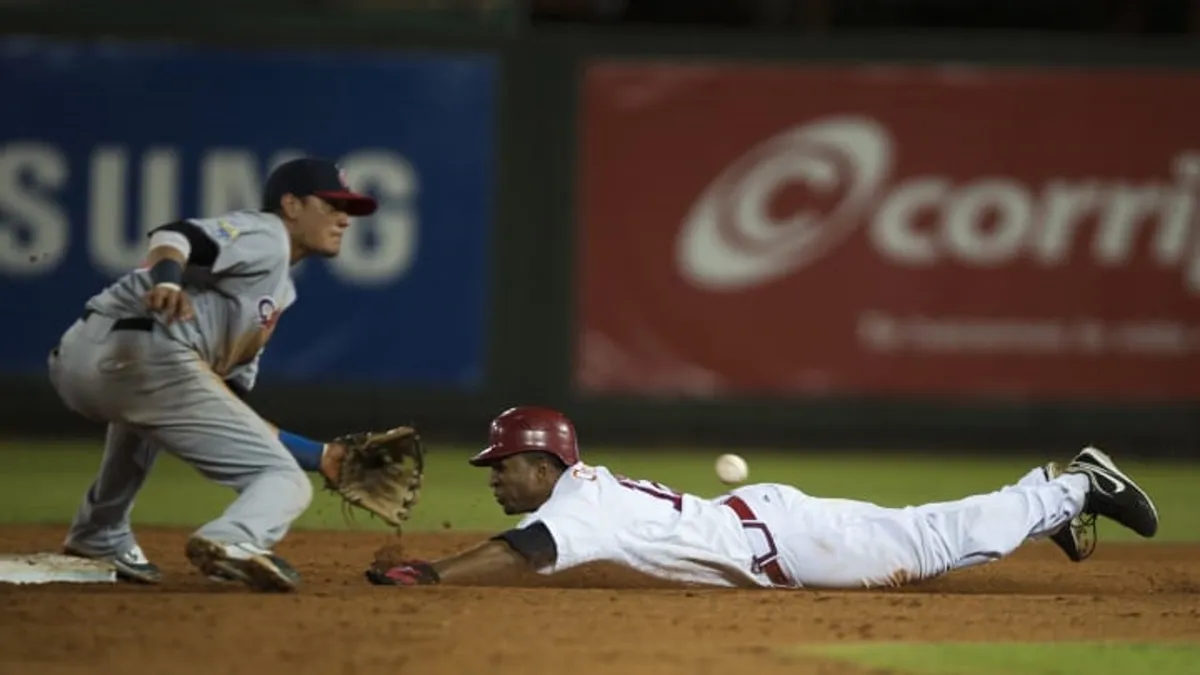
(768, 562)
(143, 323)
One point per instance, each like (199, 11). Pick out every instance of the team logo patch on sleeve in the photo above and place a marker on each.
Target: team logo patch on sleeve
(226, 232)
(268, 311)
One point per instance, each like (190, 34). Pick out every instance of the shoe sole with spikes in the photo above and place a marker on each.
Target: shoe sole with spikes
(1077, 538)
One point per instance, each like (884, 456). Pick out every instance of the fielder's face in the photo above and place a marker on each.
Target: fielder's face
(320, 225)
(521, 483)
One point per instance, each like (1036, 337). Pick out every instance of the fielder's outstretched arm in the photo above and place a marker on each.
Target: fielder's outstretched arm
(312, 456)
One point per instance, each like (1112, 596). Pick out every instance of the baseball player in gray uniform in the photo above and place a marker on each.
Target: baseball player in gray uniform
(164, 356)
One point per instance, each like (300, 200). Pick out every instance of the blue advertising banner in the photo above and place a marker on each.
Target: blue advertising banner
(101, 142)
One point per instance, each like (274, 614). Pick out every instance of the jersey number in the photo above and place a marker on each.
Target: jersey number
(656, 490)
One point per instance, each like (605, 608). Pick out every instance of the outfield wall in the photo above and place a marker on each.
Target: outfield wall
(678, 237)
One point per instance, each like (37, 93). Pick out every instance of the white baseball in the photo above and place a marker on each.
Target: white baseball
(732, 469)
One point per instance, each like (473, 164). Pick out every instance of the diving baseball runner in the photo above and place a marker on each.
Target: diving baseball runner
(762, 535)
(159, 354)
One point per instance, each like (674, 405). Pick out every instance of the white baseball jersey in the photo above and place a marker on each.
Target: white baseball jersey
(595, 515)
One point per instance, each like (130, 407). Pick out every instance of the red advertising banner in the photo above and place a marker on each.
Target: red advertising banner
(877, 230)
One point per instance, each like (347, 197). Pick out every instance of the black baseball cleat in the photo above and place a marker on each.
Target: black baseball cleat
(130, 565)
(1077, 538)
(1113, 494)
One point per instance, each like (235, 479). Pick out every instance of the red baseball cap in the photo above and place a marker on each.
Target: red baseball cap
(529, 429)
(315, 176)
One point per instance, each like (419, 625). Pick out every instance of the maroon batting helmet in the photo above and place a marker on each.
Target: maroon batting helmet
(529, 429)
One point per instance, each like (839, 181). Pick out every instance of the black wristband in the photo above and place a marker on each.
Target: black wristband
(167, 271)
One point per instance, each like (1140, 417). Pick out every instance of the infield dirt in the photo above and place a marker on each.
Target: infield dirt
(594, 621)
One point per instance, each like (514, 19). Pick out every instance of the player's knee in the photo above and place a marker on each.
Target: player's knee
(304, 488)
(300, 487)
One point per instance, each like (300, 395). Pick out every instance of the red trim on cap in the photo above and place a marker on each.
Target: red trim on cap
(356, 204)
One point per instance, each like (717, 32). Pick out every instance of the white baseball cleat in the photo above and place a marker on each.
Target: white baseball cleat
(255, 567)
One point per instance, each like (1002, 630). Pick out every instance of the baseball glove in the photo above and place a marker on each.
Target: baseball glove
(381, 472)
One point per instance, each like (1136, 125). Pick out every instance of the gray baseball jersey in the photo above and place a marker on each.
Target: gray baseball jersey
(237, 302)
(154, 386)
